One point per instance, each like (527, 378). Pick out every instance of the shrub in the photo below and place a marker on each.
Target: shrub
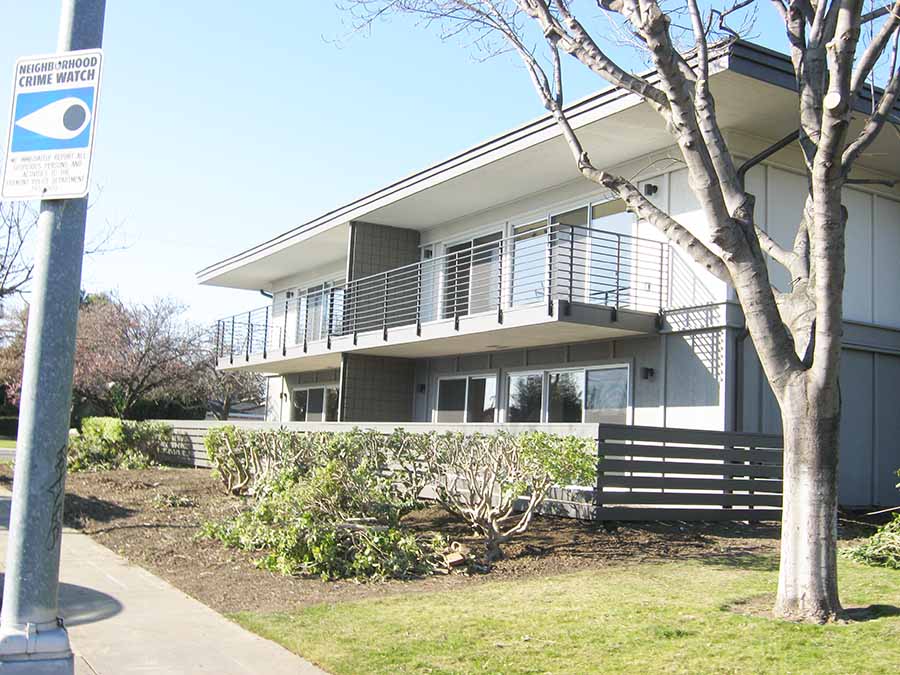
(110, 443)
(496, 482)
(881, 549)
(339, 520)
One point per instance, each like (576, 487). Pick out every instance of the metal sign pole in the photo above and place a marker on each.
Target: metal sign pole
(32, 637)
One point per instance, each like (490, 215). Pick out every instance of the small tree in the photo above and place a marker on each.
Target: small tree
(497, 482)
(796, 331)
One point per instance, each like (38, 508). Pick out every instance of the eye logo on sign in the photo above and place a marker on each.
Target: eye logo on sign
(53, 120)
(63, 119)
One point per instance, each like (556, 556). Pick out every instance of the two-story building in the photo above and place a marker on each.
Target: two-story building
(499, 286)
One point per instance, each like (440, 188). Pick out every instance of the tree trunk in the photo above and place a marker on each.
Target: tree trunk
(807, 580)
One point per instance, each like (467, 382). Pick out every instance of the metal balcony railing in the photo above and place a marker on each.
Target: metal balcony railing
(540, 264)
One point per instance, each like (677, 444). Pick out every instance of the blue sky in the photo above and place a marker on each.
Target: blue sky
(222, 124)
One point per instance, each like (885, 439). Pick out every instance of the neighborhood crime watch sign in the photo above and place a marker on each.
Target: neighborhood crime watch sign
(51, 127)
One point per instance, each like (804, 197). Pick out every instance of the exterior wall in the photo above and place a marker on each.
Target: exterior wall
(376, 389)
(686, 389)
(870, 426)
(377, 248)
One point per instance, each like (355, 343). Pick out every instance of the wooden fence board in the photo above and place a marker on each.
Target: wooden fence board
(708, 468)
(624, 513)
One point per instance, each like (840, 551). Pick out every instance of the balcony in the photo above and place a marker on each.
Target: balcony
(551, 283)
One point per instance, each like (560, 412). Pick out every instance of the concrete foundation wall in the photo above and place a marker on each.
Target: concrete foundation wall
(376, 389)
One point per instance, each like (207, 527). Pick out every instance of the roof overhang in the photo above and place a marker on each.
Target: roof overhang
(754, 90)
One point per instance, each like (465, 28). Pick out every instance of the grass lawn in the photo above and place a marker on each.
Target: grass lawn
(637, 618)
(6, 442)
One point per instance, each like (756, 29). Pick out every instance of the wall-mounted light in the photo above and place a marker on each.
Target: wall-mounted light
(421, 388)
(647, 373)
(650, 189)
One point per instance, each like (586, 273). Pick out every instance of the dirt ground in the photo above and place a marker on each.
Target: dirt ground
(152, 518)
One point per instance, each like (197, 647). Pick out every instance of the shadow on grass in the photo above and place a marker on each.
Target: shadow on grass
(740, 560)
(858, 614)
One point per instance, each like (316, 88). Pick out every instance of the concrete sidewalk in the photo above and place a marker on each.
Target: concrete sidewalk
(122, 619)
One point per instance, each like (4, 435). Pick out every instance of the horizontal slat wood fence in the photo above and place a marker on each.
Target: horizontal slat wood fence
(653, 473)
(644, 473)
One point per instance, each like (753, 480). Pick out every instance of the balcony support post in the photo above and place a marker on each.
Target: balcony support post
(618, 268)
(249, 336)
(231, 347)
(419, 300)
(384, 309)
(266, 336)
(330, 316)
(550, 244)
(662, 252)
(500, 282)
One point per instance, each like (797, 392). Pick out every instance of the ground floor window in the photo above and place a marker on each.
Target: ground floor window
(598, 394)
(314, 404)
(466, 399)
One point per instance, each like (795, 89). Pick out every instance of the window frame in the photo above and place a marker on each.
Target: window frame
(307, 388)
(568, 368)
(467, 377)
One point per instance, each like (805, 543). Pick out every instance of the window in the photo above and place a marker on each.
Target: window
(570, 273)
(525, 398)
(566, 391)
(451, 407)
(607, 396)
(467, 399)
(481, 402)
(591, 395)
(314, 404)
(472, 281)
(529, 263)
(611, 255)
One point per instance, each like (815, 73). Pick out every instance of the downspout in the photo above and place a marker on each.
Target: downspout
(266, 293)
(765, 154)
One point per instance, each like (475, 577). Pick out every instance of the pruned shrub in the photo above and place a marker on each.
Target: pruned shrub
(496, 482)
(245, 458)
(881, 549)
(338, 520)
(330, 503)
(110, 443)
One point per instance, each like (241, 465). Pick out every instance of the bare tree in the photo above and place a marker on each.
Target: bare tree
(224, 389)
(797, 333)
(17, 222)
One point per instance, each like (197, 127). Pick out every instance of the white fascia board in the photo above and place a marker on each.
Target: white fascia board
(587, 110)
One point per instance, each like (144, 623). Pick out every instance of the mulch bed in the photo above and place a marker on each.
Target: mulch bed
(152, 518)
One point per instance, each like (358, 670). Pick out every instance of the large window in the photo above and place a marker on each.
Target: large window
(566, 392)
(525, 397)
(611, 255)
(472, 276)
(607, 396)
(314, 404)
(529, 263)
(590, 395)
(467, 399)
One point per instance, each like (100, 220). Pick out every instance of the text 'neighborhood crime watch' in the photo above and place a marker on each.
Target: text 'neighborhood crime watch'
(63, 71)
